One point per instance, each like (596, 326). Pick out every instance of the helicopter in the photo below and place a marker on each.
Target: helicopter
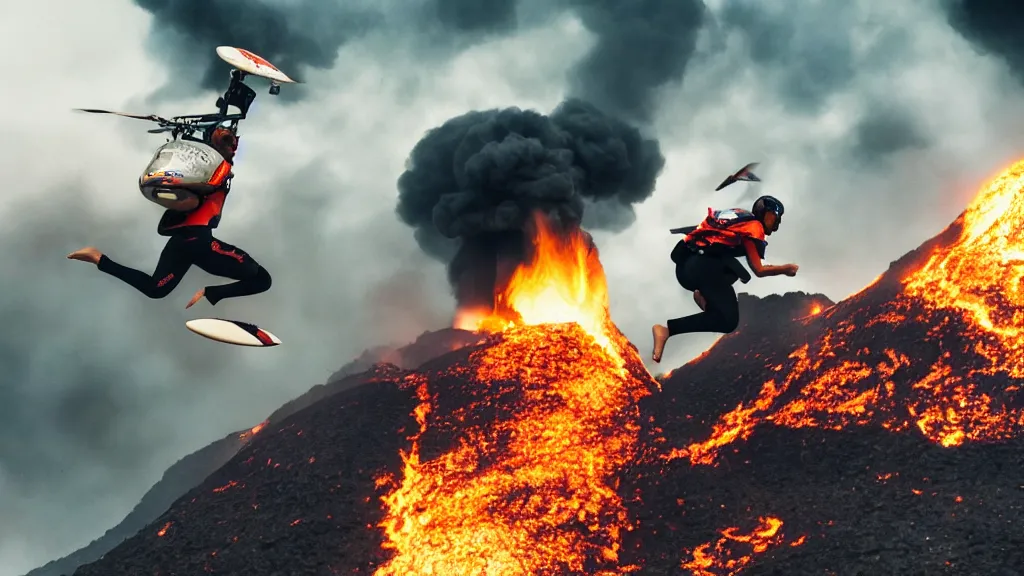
(187, 167)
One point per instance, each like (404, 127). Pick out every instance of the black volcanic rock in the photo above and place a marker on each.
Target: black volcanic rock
(865, 500)
(758, 313)
(427, 346)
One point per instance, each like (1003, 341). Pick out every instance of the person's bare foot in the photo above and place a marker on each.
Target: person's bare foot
(196, 298)
(698, 298)
(88, 254)
(660, 334)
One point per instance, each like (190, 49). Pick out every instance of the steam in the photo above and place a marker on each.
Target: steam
(473, 183)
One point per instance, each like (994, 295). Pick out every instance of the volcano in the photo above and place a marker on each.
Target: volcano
(879, 435)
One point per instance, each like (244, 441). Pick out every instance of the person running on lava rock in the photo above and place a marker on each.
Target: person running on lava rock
(706, 264)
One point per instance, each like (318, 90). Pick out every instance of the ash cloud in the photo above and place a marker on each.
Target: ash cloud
(993, 27)
(808, 51)
(641, 45)
(805, 60)
(885, 131)
(302, 35)
(306, 34)
(473, 16)
(473, 183)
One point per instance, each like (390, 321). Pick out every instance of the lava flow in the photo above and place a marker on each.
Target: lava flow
(532, 491)
(721, 558)
(982, 275)
(943, 357)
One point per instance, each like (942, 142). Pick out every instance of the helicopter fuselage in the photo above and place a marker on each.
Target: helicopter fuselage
(181, 173)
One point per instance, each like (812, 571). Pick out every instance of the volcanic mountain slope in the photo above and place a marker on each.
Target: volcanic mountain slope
(178, 479)
(881, 435)
(192, 469)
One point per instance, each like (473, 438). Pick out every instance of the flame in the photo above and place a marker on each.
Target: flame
(832, 384)
(816, 309)
(472, 319)
(531, 489)
(564, 282)
(716, 559)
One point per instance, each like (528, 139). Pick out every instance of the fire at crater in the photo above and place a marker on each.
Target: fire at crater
(474, 184)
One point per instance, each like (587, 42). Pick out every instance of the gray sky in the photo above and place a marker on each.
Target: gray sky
(874, 124)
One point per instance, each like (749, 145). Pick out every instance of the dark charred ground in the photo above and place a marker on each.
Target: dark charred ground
(868, 501)
(301, 497)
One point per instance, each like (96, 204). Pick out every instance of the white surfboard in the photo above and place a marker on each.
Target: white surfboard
(232, 332)
(252, 64)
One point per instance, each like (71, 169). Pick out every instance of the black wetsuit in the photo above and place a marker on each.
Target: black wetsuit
(707, 261)
(191, 242)
(713, 276)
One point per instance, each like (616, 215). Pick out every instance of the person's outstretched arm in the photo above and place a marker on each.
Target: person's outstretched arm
(760, 269)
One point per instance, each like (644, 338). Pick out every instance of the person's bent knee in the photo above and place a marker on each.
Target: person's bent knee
(263, 280)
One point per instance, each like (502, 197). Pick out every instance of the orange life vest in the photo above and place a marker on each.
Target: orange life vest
(723, 233)
(207, 214)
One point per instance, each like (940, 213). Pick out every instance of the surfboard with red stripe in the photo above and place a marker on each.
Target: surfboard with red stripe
(233, 332)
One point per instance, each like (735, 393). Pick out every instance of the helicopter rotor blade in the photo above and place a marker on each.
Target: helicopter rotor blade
(150, 117)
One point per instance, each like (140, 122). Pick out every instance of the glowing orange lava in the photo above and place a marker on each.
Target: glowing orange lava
(982, 275)
(734, 550)
(533, 492)
(254, 430)
(163, 530)
(964, 392)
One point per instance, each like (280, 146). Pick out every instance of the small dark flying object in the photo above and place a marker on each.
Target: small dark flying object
(745, 174)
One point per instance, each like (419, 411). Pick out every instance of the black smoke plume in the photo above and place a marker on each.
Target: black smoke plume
(473, 184)
(640, 46)
(992, 26)
(300, 35)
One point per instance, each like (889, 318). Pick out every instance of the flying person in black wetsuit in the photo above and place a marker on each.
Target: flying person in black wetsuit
(706, 264)
(191, 241)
